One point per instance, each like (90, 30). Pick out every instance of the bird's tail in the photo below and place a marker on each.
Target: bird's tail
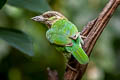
(78, 53)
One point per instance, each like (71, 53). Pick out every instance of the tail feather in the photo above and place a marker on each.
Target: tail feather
(78, 53)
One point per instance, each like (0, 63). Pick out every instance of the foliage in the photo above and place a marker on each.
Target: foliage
(2, 2)
(17, 39)
(38, 6)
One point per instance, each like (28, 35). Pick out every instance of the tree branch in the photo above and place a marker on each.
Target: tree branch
(92, 31)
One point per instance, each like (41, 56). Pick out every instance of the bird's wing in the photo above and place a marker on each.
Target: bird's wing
(58, 39)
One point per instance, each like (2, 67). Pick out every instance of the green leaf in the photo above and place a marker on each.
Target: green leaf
(17, 39)
(2, 2)
(38, 6)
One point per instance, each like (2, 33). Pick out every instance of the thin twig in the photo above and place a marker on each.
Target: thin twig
(52, 74)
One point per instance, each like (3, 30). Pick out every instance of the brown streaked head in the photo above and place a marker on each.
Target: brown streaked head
(48, 17)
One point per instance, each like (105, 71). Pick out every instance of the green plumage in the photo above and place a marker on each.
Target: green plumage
(60, 34)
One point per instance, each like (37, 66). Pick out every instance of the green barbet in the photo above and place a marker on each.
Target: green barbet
(64, 35)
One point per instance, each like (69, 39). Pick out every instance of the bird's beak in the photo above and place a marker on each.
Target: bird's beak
(42, 20)
(38, 18)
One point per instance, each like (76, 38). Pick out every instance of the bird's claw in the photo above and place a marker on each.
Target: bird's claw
(83, 37)
(70, 44)
(75, 36)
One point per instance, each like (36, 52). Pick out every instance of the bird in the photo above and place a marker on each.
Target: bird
(64, 35)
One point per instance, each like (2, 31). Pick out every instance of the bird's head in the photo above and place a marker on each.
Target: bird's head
(49, 18)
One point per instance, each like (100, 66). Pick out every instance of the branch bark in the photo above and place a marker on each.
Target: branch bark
(92, 31)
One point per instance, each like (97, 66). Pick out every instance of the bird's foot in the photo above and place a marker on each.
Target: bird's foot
(75, 36)
(70, 44)
(83, 37)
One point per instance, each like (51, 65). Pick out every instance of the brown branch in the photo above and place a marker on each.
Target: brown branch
(92, 31)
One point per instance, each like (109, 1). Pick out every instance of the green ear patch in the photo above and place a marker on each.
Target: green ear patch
(52, 18)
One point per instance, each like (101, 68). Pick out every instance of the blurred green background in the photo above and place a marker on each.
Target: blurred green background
(14, 65)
